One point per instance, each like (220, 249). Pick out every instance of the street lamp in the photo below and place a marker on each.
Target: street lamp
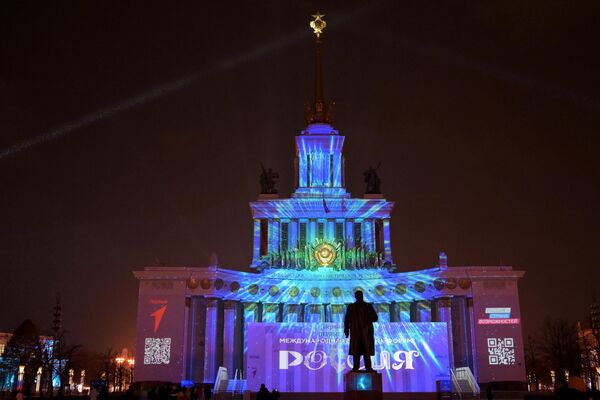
(131, 363)
(120, 361)
(20, 377)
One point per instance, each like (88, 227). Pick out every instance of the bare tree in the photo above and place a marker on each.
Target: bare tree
(589, 343)
(56, 364)
(109, 371)
(588, 349)
(558, 343)
(532, 362)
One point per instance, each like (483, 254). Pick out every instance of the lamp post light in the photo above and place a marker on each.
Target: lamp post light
(120, 361)
(81, 380)
(131, 363)
(20, 377)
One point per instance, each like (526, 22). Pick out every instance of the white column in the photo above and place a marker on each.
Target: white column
(313, 313)
(460, 331)
(350, 233)
(414, 311)
(196, 345)
(383, 312)
(250, 314)
(472, 342)
(274, 236)
(444, 314)
(270, 312)
(213, 339)
(256, 243)
(424, 311)
(293, 233)
(404, 311)
(387, 242)
(394, 312)
(338, 312)
(291, 313)
(232, 339)
(330, 229)
(312, 231)
(369, 227)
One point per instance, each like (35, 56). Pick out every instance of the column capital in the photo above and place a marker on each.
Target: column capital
(212, 302)
(444, 301)
(230, 304)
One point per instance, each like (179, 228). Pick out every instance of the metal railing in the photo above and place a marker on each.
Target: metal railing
(464, 384)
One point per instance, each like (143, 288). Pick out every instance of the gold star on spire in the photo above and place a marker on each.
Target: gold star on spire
(318, 24)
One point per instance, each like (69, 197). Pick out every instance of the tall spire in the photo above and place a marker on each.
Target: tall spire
(319, 111)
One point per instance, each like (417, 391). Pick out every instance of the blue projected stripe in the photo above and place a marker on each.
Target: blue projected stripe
(499, 316)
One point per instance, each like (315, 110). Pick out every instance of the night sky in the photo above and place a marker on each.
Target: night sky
(132, 134)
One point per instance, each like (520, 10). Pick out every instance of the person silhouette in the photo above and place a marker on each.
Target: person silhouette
(263, 393)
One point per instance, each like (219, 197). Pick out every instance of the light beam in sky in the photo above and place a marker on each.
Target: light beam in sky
(180, 83)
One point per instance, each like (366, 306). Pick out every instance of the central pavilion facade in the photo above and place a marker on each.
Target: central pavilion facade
(311, 251)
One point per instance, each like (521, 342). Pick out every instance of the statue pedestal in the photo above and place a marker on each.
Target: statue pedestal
(362, 385)
(268, 196)
(373, 196)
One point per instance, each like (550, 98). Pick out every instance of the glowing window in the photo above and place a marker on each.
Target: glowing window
(264, 237)
(320, 230)
(357, 234)
(331, 170)
(284, 235)
(379, 236)
(339, 231)
(302, 239)
(308, 170)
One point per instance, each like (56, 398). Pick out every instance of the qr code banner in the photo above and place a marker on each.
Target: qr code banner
(157, 351)
(501, 351)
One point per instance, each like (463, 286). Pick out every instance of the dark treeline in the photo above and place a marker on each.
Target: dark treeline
(563, 349)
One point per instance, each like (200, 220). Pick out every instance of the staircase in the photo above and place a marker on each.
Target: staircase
(229, 389)
(464, 385)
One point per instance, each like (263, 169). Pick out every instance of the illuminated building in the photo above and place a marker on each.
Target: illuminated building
(11, 378)
(310, 253)
(588, 345)
(4, 338)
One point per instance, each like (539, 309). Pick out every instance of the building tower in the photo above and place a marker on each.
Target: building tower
(321, 226)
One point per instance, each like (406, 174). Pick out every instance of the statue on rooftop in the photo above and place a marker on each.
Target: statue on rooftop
(372, 180)
(267, 181)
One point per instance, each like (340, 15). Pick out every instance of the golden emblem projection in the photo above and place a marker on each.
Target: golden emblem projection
(325, 254)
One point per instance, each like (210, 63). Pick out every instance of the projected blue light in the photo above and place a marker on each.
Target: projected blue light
(313, 357)
(364, 382)
(327, 286)
(321, 226)
(320, 161)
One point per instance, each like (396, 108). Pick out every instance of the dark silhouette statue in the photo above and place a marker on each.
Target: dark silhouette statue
(267, 181)
(358, 323)
(372, 180)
